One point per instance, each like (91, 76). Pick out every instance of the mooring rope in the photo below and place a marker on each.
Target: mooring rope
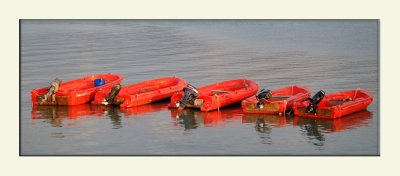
(355, 94)
(139, 96)
(217, 100)
(284, 108)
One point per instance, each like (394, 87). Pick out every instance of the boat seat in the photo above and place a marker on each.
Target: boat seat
(334, 102)
(78, 87)
(278, 98)
(145, 90)
(219, 91)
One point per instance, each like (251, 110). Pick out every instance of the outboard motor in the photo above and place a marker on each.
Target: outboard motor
(51, 92)
(262, 96)
(190, 94)
(113, 93)
(314, 101)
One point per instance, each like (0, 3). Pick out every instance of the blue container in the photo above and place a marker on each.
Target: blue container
(99, 82)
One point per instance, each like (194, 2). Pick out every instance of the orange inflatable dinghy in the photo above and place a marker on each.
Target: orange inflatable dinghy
(140, 93)
(275, 102)
(334, 105)
(214, 96)
(74, 92)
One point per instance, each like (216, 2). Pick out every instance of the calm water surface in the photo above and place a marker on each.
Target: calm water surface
(330, 55)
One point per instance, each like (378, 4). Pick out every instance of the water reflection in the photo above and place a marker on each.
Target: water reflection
(314, 134)
(57, 135)
(194, 118)
(114, 113)
(188, 119)
(351, 121)
(145, 109)
(314, 129)
(55, 115)
(264, 124)
(274, 121)
(264, 129)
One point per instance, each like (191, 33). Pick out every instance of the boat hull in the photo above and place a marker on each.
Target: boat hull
(282, 100)
(332, 106)
(76, 92)
(218, 95)
(143, 92)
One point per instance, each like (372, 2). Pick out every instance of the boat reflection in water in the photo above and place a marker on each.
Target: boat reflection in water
(264, 123)
(145, 109)
(55, 115)
(193, 118)
(315, 129)
(112, 112)
(274, 121)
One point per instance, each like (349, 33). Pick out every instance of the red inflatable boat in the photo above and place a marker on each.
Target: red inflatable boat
(140, 93)
(275, 102)
(214, 96)
(335, 105)
(74, 92)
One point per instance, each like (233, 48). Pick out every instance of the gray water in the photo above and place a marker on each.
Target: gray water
(329, 55)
